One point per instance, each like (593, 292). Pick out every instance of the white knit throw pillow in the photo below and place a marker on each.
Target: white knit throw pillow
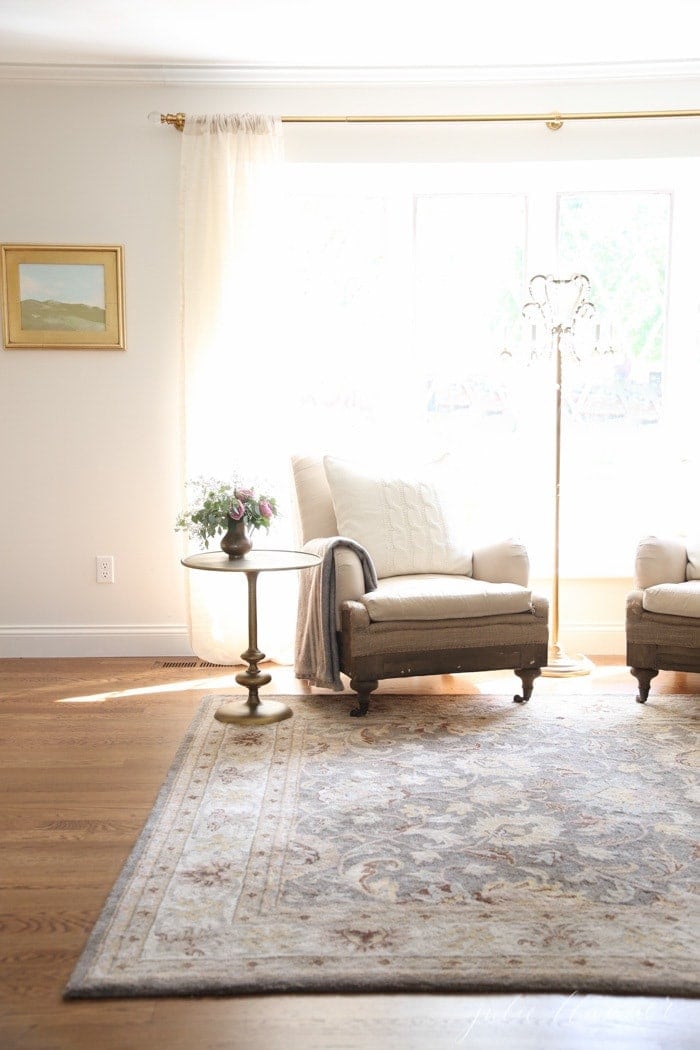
(401, 521)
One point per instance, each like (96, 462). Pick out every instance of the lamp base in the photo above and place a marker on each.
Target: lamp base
(561, 665)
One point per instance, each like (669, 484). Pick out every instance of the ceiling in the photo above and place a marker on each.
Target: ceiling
(447, 37)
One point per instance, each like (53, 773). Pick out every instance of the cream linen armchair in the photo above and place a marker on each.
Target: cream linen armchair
(663, 611)
(431, 608)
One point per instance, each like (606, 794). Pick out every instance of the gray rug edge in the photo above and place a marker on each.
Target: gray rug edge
(514, 986)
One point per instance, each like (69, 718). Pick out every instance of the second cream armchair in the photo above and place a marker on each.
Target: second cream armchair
(663, 611)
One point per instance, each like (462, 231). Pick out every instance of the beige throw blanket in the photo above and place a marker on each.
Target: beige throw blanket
(316, 653)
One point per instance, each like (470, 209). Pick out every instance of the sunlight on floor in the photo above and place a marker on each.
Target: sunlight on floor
(227, 681)
(283, 680)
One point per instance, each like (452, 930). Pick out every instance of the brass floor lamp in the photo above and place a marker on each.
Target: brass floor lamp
(561, 306)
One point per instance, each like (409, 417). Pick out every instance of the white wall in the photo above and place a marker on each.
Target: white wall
(90, 441)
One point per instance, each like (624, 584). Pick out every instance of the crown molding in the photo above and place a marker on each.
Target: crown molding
(242, 75)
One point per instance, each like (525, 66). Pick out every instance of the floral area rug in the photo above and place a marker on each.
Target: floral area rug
(457, 843)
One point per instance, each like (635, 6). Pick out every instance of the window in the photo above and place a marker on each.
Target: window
(404, 292)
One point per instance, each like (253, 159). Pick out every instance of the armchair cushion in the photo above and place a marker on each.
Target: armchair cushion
(401, 521)
(673, 599)
(431, 596)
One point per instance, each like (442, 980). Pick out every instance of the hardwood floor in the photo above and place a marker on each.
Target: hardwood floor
(85, 747)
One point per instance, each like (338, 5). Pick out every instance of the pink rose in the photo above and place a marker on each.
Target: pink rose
(236, 510)
(265, 508)
(244, 494)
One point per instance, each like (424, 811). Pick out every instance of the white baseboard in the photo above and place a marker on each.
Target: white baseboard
(51, 640)
(597, 640)
(48, 640)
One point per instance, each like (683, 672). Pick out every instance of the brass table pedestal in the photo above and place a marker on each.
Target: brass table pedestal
(252, 711)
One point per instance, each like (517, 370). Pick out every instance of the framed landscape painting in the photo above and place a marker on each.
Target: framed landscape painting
(62, 297)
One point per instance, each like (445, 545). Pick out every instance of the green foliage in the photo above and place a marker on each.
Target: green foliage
(216, 504)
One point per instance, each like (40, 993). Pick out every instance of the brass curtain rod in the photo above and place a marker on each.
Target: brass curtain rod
(552, 120)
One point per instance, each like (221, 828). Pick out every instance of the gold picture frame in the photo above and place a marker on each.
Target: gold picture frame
(62, 297)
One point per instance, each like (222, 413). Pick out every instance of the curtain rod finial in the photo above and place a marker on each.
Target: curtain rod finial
(176, 120)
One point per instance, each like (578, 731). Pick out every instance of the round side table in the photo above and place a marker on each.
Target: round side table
(252, 711)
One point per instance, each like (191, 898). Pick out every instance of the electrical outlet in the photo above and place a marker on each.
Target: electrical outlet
(104, 568)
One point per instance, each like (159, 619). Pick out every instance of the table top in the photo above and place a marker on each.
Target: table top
(256, 560)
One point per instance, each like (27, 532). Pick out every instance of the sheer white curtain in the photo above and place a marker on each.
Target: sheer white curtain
(230, 220)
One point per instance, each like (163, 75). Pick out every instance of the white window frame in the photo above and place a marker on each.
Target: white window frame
(675, 506)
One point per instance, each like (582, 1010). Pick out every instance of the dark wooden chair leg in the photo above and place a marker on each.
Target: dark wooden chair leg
(644, 676)
(527, 676)
(363, 690)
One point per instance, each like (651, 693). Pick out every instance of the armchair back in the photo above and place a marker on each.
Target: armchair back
(314, 503)
(660, 559)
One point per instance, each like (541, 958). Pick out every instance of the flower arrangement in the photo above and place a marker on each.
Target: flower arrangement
(217, 503)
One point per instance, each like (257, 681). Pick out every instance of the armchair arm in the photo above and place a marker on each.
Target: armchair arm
(634, 607)
(660, 559)
(504, 562)
(349, 576)
(348, 569)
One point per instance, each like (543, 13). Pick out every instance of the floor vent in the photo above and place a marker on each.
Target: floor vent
(187, 663)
